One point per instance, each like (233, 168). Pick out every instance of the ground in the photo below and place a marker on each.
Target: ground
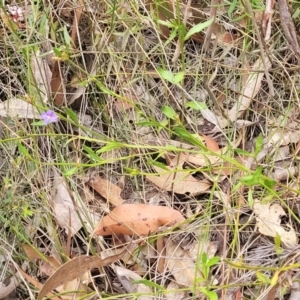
(149, 149)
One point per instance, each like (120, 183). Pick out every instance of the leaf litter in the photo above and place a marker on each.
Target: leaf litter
(203, 185)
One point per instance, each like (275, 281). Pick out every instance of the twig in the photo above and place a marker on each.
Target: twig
(288, 28)
(212, 13)
(179, 42)
(261, 48)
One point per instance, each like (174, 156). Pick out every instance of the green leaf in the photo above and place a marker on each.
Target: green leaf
(181, 32)
(196, 105)
(258, 145)
(38, 123)
(166, 74)
(131, 172)
(179, 77)
(70, 172)
(23, 149)
(57, 52)
(27, 211)
(72, 115)
(91, 153)
(169, 112)
(267, 182)
(185, 135)
(278, 248)
(212, 295)
(242, 152)
(262, 278)
(253, 179)
(164, 123)
(213, 261)
(148, 283)
(151, 162)
(198, 28)
(232, 7)
(67, 36)
(171, 77)
(109, 146)
(166, 23)
(204, 258)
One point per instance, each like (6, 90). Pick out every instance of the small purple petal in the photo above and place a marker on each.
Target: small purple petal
(49, 117)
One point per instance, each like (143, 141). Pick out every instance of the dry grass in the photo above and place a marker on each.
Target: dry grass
(118, 126)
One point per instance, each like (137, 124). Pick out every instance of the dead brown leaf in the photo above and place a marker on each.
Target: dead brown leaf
(126, 277)
(180, 264)
(34, 254)
(77, 17)
(57, 85)
(74, 269)
(6, 289)
(139, 219)
(106, 189)
(36, 283)
(268, 219)
(179, 181)
(41, 74)
(251, 88)
(63, 206)
(211, 144)
(18, 108)
(175, 293)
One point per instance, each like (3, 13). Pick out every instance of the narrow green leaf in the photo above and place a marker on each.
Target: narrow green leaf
(242, 152)
(23, 149)
(72, 115)
(258, 145)
(204, 258)
(67, 36)
(148, 283)
(181, 32)
(38, 123)
(166, 23)
(198, 28)
(91, 153)
(196, 105)
(278, 247)
(70, 172)
(169, 112)
(151, 162)
(109, 146)
(232, 7)
(185, 135)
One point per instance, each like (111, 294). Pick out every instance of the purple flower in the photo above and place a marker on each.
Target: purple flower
(49, 117)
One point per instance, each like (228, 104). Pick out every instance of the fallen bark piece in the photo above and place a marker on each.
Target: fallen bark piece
(137, 219)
